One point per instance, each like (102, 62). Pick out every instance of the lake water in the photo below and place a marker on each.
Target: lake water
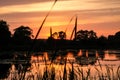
(62, 65)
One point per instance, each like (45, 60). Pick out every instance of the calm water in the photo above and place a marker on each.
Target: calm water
(88, 64)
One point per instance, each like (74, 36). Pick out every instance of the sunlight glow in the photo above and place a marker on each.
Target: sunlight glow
(92, 15)
(79, 53)
(60, 6)
(109, 56)
(70, 56)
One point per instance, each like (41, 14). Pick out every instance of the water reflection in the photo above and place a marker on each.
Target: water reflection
(86, 57)
(110, 56)
(4, 70)
(41, 64)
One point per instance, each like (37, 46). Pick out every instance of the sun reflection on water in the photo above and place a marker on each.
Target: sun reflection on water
(42, 63)
(110, 56)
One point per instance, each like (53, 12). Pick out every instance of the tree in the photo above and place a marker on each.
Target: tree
(5, 34)
(114, 37)
(117, 38)
(62, 35)
(55, 35)
(92, 35)
(22, 33)
(114, 40)
(102, 38)
(85, 35)
(59, 35)
(110, 37)
(102, 41)
(117, 35)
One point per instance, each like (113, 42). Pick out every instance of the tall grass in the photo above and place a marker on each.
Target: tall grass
(118, 72)
(70, 70)
(34, 41)
(73, 73)
(65, 70)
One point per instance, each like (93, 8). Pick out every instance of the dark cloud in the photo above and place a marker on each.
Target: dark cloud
(23, 14)
(19, 2)
(101, 12)
(81, 13)
(33, 14)
(107, 2)
(105, 25)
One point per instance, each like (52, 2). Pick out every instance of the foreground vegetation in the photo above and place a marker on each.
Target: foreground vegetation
(50, 67)
(68, 72)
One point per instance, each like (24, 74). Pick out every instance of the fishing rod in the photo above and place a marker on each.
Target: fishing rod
(45, 19)
(32, 46)
(65, 32)
(70, 22)
(74, 29)
(43, 22)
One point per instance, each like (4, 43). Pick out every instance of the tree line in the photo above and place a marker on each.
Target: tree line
(22, 38)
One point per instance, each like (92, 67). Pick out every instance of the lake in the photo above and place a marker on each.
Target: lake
(61, 65)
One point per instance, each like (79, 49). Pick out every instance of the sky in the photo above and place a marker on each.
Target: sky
(102, 16)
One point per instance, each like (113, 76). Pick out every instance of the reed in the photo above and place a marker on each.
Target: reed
(73, 74)
(108, 72)
(118, 72)
(69, 71)
(65, 71)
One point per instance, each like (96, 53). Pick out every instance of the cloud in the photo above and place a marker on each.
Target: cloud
(19, 2)
(105, 1)
(92, 12)
(101, 12)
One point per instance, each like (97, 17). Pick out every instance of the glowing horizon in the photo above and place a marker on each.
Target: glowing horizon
(92, 15)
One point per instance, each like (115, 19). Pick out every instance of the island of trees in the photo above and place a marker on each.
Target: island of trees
(23, 39)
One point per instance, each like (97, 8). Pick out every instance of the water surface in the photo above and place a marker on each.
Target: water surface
(62, 64)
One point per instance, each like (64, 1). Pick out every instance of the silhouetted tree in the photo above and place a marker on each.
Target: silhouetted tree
(102, 38)
(4, 71)
(117, 38)
(85, 35)
(55, 35)
(57, 39)
(62, 35)
(5, 34)
(110, 37)
(22, 34)
(114, 40)
(114, 37)
(59, 35)
(102, 41)
(92, 35)
(117, 35)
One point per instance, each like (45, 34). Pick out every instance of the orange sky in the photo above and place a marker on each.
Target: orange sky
(102, 16)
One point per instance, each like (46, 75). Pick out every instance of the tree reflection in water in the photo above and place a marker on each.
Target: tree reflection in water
(4, 70)
(77, 62)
